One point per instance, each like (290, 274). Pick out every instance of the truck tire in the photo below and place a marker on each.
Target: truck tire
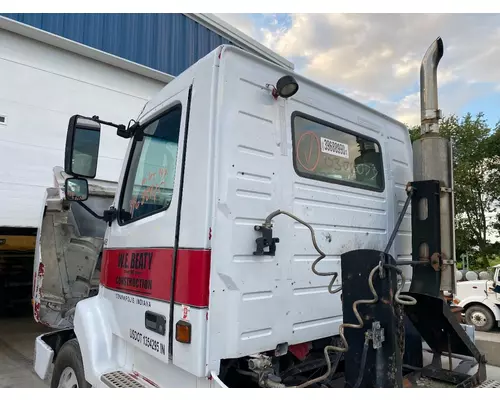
(480, 317)
(68, 368)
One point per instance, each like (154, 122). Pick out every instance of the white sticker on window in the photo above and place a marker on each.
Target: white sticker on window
(334, 148)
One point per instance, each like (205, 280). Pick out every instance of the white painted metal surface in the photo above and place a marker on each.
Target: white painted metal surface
(41, 86)
(43, 357)
(73, 47)
(258, 302)
(238, 169)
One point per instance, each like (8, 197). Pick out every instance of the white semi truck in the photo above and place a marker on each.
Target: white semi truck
(480, 300)
(260, 236)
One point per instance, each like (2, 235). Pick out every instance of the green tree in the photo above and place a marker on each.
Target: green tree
(476, 169)
(414, 132)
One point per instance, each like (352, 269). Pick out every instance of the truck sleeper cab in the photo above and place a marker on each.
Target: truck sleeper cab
(186, 296)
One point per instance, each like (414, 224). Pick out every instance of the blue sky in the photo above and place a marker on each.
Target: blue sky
(375, 58)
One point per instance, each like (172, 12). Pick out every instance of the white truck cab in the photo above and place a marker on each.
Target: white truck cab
(189, 295)
(480, 301)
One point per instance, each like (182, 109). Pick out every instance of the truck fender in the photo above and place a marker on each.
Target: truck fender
(47, 348)
(481, 300)
(93, 324)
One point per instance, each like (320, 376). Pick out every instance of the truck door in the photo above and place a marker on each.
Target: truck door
(140, 247)
(496, 283)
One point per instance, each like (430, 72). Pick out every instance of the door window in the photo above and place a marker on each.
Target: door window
(150, 176)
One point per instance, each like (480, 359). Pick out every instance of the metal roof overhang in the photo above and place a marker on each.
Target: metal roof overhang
(81, 49)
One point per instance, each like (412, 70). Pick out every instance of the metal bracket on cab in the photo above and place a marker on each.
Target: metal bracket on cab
(266, 240)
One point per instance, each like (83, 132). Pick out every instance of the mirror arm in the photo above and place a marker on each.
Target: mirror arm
(90, 210)
(109, 215)
(121, 130)
(97, 119)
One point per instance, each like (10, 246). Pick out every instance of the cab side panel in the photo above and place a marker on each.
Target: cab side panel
(258, 302)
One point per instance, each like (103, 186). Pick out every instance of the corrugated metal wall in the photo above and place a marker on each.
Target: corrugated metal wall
(166, 42)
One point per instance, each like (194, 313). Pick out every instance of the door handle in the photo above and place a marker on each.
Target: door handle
(155, 322)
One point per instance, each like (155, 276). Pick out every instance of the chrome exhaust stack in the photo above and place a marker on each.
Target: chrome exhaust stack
(432, 160)
(430, 112)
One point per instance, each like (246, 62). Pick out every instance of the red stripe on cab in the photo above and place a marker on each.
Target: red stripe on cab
(147, 272)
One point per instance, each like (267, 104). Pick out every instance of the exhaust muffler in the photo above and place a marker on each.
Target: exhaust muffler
(432, 160)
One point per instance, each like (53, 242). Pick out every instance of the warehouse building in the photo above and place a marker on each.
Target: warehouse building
(169, 43)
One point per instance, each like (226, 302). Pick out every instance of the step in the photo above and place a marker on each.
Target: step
(490, 384)
(121, 379)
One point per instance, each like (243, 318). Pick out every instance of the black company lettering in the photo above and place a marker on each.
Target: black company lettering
(153, 344)
(134, 264)
(140, 260)
(133, 300)
(125, 298)
(136, 283)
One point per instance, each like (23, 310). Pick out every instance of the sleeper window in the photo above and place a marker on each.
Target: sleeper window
(324, 152)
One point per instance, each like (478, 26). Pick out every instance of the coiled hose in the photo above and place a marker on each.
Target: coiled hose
(341, 331)
(398, 297)
(322, 255)
(402, 299)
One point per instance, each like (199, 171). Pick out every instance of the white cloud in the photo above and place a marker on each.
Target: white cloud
(239, 21)
(408, 109)
(376, 57)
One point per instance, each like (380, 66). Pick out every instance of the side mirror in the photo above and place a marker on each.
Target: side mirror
(82, 147)
(76, 189)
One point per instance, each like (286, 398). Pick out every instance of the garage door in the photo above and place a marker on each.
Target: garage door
(41, 86)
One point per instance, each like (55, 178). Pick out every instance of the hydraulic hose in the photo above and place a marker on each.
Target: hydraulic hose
(341, 331)
(399, 298)
(402, 299)
(322, 255)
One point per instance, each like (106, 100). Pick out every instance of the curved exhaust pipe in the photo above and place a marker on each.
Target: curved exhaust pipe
(430, 112)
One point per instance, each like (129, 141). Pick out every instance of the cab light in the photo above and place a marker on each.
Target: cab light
(183, 332)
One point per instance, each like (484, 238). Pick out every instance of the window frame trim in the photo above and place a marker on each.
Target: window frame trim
(342, 129)
(173, 106)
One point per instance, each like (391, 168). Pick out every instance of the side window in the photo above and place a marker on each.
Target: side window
(328, 153)
(149, 181)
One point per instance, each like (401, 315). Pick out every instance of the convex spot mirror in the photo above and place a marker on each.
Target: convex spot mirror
(82, 147)
(76, 189)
